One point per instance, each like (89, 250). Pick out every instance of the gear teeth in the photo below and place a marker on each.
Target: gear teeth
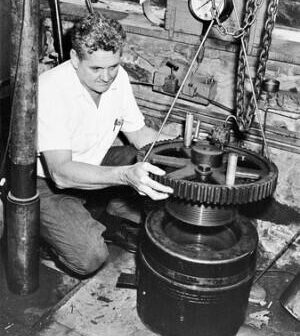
(256, 193)
(201, 194)
(235, 195)
(269, 191)
(209, 194)
(263, 191)
(243, 197)
(250, 195)
(223, 195)
(190, 191)
(267, 188)
(193, 192)
(240, 194)
(217, 195)
(231, 193)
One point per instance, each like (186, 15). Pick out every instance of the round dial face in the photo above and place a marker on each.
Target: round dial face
(202, 9)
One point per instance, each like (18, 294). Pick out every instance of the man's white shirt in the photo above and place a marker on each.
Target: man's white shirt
(68, 118)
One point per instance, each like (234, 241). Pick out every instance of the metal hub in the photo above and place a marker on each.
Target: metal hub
(200, 215)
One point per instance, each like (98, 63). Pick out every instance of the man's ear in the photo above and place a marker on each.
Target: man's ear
(74, 58)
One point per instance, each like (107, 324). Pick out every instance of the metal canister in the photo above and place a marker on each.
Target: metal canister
(192, 280)
(290, 298)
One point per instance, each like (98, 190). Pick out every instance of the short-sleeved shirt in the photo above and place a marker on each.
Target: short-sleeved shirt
(68, 118)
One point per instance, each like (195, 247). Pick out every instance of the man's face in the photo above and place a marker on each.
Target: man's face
(97, 70)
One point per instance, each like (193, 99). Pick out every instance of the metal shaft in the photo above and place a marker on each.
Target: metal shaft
(89, 6)
(188, 133)
(231, 169)
(22, 213)
(58, 32)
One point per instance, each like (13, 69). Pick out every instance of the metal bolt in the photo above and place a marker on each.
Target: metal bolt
(204, 168)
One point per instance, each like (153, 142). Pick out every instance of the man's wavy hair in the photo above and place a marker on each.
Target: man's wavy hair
(97, 32)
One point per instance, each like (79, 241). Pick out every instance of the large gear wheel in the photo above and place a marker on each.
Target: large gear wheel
(197, 174)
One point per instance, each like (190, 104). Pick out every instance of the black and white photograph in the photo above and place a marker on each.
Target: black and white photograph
(149, 167)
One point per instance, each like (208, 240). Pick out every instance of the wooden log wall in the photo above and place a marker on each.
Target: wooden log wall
(149, 47)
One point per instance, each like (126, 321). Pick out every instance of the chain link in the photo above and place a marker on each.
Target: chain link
(251, 10)
(241, 72)
(245, 114)
(264, 54)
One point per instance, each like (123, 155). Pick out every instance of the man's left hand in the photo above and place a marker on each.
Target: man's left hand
(137, 176)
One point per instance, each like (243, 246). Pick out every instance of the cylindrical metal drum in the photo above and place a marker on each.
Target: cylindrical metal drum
(195, 281)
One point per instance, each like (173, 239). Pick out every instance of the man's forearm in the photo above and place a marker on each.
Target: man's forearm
(86, 176)
(73, 174)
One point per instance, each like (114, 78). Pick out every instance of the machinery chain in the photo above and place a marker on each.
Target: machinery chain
(241, 74)
(221, 194)
(245, 114)
(251, 10)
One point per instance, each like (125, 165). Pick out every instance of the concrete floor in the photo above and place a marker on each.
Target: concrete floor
(96, 307)
(99, 308)
(20, 315)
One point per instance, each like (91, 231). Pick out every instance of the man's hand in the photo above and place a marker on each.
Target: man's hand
(137, 176)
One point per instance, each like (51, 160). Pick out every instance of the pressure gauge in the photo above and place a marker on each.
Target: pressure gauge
(202, 9)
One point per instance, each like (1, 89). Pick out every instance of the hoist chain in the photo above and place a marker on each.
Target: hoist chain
(245, 114)
(251, 10)
(241, 73)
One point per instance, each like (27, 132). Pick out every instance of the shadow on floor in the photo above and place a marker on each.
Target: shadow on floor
(271, 210)
(20, 314)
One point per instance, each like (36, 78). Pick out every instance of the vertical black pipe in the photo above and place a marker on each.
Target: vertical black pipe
(23, 201)
(23, 245)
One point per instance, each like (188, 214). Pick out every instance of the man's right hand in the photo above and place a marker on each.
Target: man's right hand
(137, 176)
